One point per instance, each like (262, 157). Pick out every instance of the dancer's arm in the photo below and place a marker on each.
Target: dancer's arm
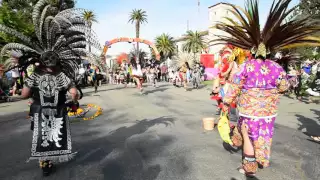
(74, 93)
(282, 81)
(234, 89)
(223, 74)
(26, 92)
(28, 84)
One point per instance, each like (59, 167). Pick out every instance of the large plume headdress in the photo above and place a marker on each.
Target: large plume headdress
(278, 33)
(60, 39)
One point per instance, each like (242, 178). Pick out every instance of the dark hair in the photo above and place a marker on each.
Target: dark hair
(187, 64)
(133, 62)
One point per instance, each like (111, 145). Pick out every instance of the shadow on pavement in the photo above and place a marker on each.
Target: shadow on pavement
(125, 153)
(247, 178)
(129, 152)
(311, 125)
(14, 116)
(88, 93)
(159, 89)
(229, 148)
(190, 88)
(305, 99)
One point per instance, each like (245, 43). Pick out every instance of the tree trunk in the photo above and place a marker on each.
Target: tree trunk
(137, 36)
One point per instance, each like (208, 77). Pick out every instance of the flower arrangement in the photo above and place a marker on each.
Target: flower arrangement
(79, 112)
(96, 114)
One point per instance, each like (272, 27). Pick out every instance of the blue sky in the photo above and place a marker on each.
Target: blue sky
(164, 16)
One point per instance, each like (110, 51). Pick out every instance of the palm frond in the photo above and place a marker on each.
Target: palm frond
(279, 32)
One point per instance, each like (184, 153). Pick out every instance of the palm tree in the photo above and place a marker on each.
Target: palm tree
(90, 18)
(165, 45)
(138, 16)
(194, 42)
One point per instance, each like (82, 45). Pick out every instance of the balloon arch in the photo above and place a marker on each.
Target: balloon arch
(130, 40)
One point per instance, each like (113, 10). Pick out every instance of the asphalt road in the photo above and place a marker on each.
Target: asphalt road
(159, 136)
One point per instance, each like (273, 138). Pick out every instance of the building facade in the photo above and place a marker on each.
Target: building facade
(217, 13)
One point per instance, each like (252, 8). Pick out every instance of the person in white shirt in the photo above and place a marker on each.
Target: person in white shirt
(15, 76)
(171, 74)
(137, 73)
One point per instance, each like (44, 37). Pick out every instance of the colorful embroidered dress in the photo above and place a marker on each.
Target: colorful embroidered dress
(257, 87)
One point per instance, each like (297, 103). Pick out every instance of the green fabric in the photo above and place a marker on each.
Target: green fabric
(30, 70)
(130, 70)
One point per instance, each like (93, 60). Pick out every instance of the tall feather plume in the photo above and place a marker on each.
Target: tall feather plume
(244, 32)
(42, 20)
(36, 16)
(65, 33)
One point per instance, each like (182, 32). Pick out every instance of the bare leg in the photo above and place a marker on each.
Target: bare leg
(249, 164)
(247, 145)
(139, 84)
(95, 86)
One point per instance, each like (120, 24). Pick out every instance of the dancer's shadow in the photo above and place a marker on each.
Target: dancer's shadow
(247, 178)
(125, 153)
(311, 125)
(158, 89)
(88, 93)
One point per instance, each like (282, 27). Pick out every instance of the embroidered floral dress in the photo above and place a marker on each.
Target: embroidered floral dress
(257, 86)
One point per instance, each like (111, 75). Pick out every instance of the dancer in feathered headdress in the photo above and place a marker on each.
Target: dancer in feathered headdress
(60, 42)
(261, 80)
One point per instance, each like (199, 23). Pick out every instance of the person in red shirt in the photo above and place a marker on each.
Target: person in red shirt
(164, 72)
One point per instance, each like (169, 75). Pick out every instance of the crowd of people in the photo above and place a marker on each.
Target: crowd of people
(153, 72)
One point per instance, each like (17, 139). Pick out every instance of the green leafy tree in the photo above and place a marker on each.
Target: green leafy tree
(194, 43)
(17, 14)
(90, 18)
(19, 19)
(165, 45)
(138, 17)
(310, 7)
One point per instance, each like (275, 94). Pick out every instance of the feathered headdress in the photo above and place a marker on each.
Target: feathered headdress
(60, 39)
(278, 33)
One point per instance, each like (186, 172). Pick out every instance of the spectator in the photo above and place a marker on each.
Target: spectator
(15, 76)
(164, 72)
(307, 67)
